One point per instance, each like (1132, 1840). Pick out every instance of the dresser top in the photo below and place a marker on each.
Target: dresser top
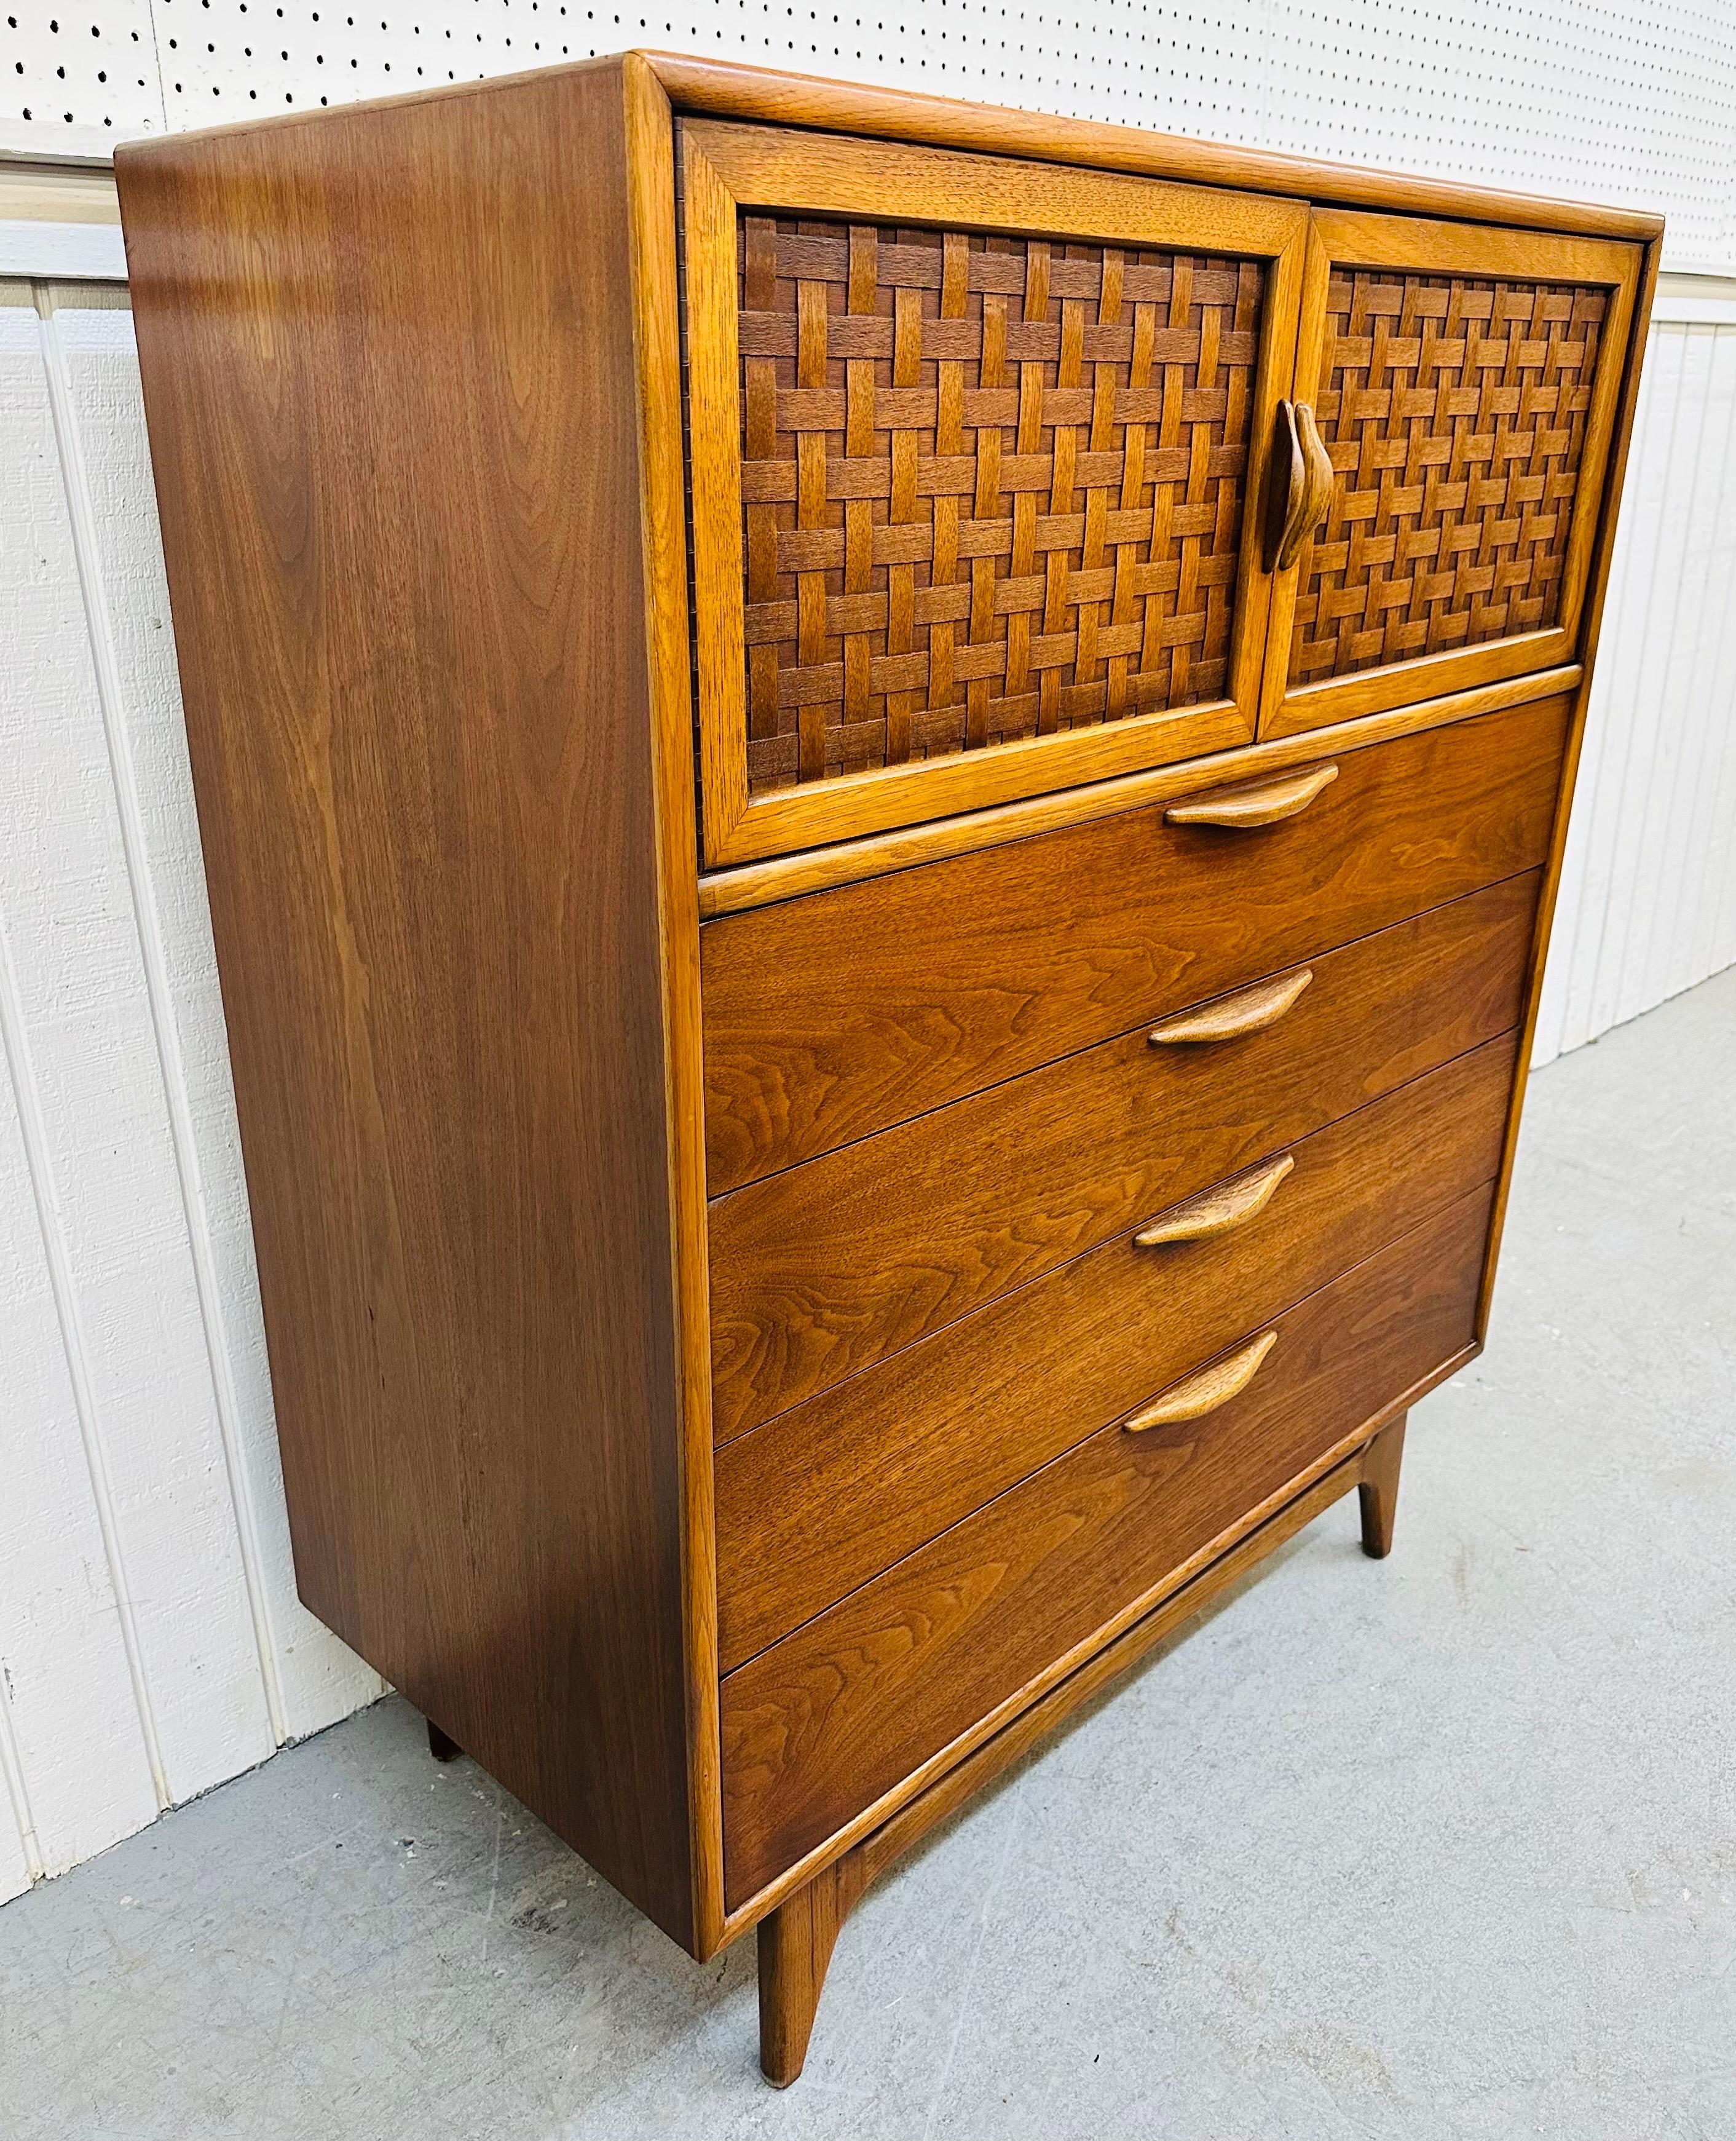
(730, 89)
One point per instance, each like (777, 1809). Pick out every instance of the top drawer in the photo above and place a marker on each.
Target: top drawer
(837, 1015)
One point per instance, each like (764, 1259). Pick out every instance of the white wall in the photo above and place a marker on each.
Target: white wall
(1647, 906)
(150, 1644)
(1597, 98)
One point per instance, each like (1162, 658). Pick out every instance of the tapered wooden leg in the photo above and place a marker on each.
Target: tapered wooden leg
(442, 1749)
(1378, 1490)
(795, 1945)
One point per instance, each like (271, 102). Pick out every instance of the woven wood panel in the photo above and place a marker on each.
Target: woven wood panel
(992, 488)
(1455, 413)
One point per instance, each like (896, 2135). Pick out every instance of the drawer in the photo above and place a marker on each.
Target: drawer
(829, 1267)
(819, 1727)
(816, 1502)
(835, 1016)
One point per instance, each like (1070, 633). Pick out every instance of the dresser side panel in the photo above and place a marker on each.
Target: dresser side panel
(390, 370)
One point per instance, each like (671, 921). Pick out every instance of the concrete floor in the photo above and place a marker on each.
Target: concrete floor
(1444, 1848)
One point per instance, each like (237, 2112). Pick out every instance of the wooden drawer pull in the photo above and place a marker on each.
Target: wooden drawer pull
(1264, 803)
(1209, 1389)
(1246, 1011)
(1217, 1211)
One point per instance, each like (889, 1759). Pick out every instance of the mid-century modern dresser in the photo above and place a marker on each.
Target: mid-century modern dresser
(882, 785)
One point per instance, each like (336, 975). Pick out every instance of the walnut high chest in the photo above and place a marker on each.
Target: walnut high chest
(882, 785)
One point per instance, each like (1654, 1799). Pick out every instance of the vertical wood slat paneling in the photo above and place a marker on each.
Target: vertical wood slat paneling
(151, 1642)
(1646, 908)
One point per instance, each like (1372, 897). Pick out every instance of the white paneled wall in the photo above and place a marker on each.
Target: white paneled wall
(1648, 899)
(151, 1642)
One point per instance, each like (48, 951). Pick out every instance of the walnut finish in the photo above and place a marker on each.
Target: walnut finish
(831, 1492)
(819, 1726)
(913, 587)
(1455, 413)
(829, 1268)
(423, 745)
(1468, 383)
(1377, 1488)
(746, 1381)
(831, 1017)
(1014, 511)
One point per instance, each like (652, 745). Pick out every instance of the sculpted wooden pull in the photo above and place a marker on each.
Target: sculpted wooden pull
(1303, 478)
(1218, 1211)
(1246, 1011)
(1262, 803)
(1209, 1389)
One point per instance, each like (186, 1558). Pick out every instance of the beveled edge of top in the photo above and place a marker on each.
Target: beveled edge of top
(733, 89)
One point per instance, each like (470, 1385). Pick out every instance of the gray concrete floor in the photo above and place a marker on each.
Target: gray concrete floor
(1443, 1847)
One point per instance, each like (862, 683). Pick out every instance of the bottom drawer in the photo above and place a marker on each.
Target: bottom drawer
(824, 1723)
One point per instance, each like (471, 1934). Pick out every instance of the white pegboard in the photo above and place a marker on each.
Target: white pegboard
(1594, 98)
(95, 68)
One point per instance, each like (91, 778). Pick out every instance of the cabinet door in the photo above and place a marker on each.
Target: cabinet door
(976, 506)
(1464, 381)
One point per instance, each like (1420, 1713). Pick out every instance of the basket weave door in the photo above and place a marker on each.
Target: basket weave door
(975, 470)
(1465, 384)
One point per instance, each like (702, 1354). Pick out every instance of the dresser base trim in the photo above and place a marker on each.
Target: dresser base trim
(796, 1939)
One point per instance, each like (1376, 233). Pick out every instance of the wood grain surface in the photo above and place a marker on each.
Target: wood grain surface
(735, 90)
(414, 389)
(795, 1950)
(823, 1723)
(834, 1265)
(831, 1017)
(848, 862)
(1470, 458)
(655, 305)
(829, 1494)
(1377, 1488)
(391, 380)
(755, 728)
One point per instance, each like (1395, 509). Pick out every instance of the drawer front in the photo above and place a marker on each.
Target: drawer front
(815, 1502)
(835, 1015)
(829, 1267)
(819, 1727)
(975, 510)
(1465, 382)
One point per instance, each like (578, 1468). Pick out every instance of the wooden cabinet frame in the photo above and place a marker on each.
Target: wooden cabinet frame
(1340, 238)
(727, 167)
(444, 741)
